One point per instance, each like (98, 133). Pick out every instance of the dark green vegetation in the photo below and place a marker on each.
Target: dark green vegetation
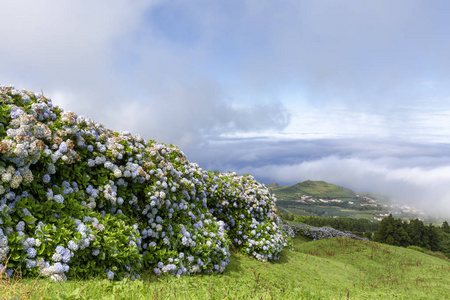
(335, 268)
(319, 198)
(415, 233)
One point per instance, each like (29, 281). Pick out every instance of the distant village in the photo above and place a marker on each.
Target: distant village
(367, 201)
(393, 209)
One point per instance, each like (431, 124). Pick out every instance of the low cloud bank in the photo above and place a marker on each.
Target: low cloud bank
(425, 189)
(414, 174)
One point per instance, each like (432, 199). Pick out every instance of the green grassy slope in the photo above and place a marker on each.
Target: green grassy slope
(288, 195)
(317, 189)
(326, 269)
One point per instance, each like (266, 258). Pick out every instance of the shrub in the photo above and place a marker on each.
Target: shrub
(79, 200)
(416, 248)
(317, 233)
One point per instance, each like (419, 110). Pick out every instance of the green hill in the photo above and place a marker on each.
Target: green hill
(337, 268)
(316, 189)
(291, 202)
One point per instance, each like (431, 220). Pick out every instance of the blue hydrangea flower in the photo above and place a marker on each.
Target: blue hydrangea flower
(65, 184)
(72, 245)
(57, 257)
(66, 256)
(66, 268)
(20, 226)
(30, 264)
(31, 252)
(59, 249)
(58, 268)
(59, 198)
(63, 147)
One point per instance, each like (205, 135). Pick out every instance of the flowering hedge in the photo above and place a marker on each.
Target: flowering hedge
(316, 233)
(79, 200)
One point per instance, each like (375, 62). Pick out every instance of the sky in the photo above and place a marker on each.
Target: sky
(356, 93)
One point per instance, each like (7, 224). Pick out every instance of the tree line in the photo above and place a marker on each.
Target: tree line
(360, 227)
(390, 231)
(414, 233)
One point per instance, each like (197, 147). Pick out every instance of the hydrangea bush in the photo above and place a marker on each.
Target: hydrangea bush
(79, 200)
(248, 209)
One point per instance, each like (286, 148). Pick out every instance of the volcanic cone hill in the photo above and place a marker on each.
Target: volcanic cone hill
(78, 200)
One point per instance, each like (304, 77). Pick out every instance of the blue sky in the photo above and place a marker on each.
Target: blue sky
(352, 92)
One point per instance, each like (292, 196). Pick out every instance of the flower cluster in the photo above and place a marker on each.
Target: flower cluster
(248, 209)
(4, 249)
(79, 199)
(317, 233)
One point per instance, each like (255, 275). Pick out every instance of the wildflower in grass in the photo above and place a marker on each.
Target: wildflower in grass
(110, 274)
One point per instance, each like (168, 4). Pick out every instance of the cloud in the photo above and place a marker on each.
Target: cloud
(412, 173)
(279, 91)
(110, 60)
(214, 63)
(60, 41)
(423, 188)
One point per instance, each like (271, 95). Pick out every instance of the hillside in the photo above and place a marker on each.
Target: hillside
(320, 198)
(337, 268)
(316, 189)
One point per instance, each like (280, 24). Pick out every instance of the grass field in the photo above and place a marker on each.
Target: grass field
(293, 211)
(300, 209)
(335, 268)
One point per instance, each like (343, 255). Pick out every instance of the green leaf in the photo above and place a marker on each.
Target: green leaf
(29, 219)
(42, 249)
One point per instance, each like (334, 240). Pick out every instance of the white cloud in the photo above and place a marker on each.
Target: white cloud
(424, 188)
(108, 60)
(194, 73)
(61, 40)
